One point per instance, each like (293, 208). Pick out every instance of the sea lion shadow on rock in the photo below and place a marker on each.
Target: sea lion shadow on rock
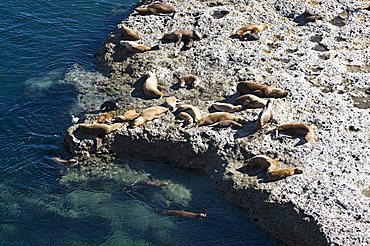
(260, 174)
(120, 53)
(281, 138)
(247, 130)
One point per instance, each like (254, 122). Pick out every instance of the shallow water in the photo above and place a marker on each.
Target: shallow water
(47, 49)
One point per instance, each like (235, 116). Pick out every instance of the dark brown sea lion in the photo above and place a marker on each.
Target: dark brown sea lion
(297, 130)
(250, 101)
(227, 123)
(184, 214)
(260, 90)
(157, 8)
(227, 107)
(187, 35)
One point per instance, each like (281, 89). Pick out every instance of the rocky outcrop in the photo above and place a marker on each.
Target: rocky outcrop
(322, 64)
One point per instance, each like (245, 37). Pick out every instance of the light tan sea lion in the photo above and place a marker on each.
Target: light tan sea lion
(128, 34)
(171, 103)
(151, 87)
(297, 130)
(250, 101)
(190, 109)
(265, 116)
(189, 79)
(260, 90)
(157, 8)
(227, 123)
(227, 107)
(99, 129)
(217, 117)
(149, 114)
(253, 29)
(186, 117)
(127, 116)
(103, 118)
(134, 47)
(184, 214)
(188, 35)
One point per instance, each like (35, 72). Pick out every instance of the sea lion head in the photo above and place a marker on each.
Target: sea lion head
(277, 93)
(201, 215)
(264, 26)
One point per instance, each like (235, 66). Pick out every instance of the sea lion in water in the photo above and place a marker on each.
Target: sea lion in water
(149, 114)
(103, 118)
(156, 8)
(261, 163)
(184, 214)
(109, 106)
(151, 87)
(297, 130)
(260, 90)
(265, 116)
(252, 29)
(71, 161)
(99, 129)
(134, 47)
(217, 117)
(127, 116)
(190, 80)
(187, 35)
(227, 107)
(128, 34)
(250, 101)
(190, 109)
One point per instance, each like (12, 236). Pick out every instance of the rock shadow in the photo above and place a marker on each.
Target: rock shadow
(247, 130)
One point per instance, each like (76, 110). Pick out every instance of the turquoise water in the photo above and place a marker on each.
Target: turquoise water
(44, 43)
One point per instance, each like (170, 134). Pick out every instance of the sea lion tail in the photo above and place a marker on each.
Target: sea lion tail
(156, 47)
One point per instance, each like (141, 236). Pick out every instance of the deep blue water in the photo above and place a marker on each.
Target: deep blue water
(44, 203)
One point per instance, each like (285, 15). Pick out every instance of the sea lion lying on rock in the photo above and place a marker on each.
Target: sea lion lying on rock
(128, 34)
(250, 101)
(187, 118)
(171, 103)
(184, 214)
(190, 109)
(251, 31)
(151, 87)
(134, 47)
(156, 8)
(296, 130)
(187, 35)
(227, 107)
(98, 129)
(265, 116)
(149, 114)
(226, 124)
(260, 90)
(103, 118)
(127, 116)
(190, 80)
(218, 117)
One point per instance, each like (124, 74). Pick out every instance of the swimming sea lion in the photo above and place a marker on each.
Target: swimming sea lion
(265, 116)
(186, 117)
(151, 87)
(109, 106)
(252, 29)
(189, 79)
(71, 161)
(260, 90)
(217, 117)
(134, 47)
(184, 214)
(190, 109)
(227, 107)
(127, 116)
(149, 114)
(227, 123)
(103, 118)
(157, 8)
(99, 129)
(250, 101)
(128, 34)
(187, 35)
(297, 130)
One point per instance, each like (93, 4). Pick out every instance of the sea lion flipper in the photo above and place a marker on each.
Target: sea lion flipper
(161, 87)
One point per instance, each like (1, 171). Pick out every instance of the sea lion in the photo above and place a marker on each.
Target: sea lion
(157, 8)
(128, 34)
(134, 47)
(250, 101)
(184, 214)
(265, 116)
(310, 17)
(227, 107)
(151, 87)
(99, 129)
(190, 109)
(171, 103)
(109, 106)
(227, 123)
(186, 117)
(187, 35)
(260, 90)
(103, 118)
(149, 114)
(71, 161)
(217, 117)
(297, 130)
(261, 163)
(127, 116)
(190, 80)
(252, 29)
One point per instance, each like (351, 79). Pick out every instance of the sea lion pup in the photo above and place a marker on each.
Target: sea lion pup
(151, 87)
(149, 114)
(109, 106)
(265, 116)
(217, 117)
(260, 90)
(157, 8)
(190, 109)
(71, 161)
(128, 34)
(187, 35)
(188, 119)
(103, 118)
(189, 79)
(261, 163)
(227, 123)
(184, 214)
(171, 103)
(250, 101)
(296, 130)
(127, 116)
(134, 47)
(227, 107)
(99, 129)
(252, 29)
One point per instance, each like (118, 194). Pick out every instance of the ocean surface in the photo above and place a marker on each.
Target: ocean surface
(46, 46)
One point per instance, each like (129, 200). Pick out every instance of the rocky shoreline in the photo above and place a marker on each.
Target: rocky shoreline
(324, 66)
